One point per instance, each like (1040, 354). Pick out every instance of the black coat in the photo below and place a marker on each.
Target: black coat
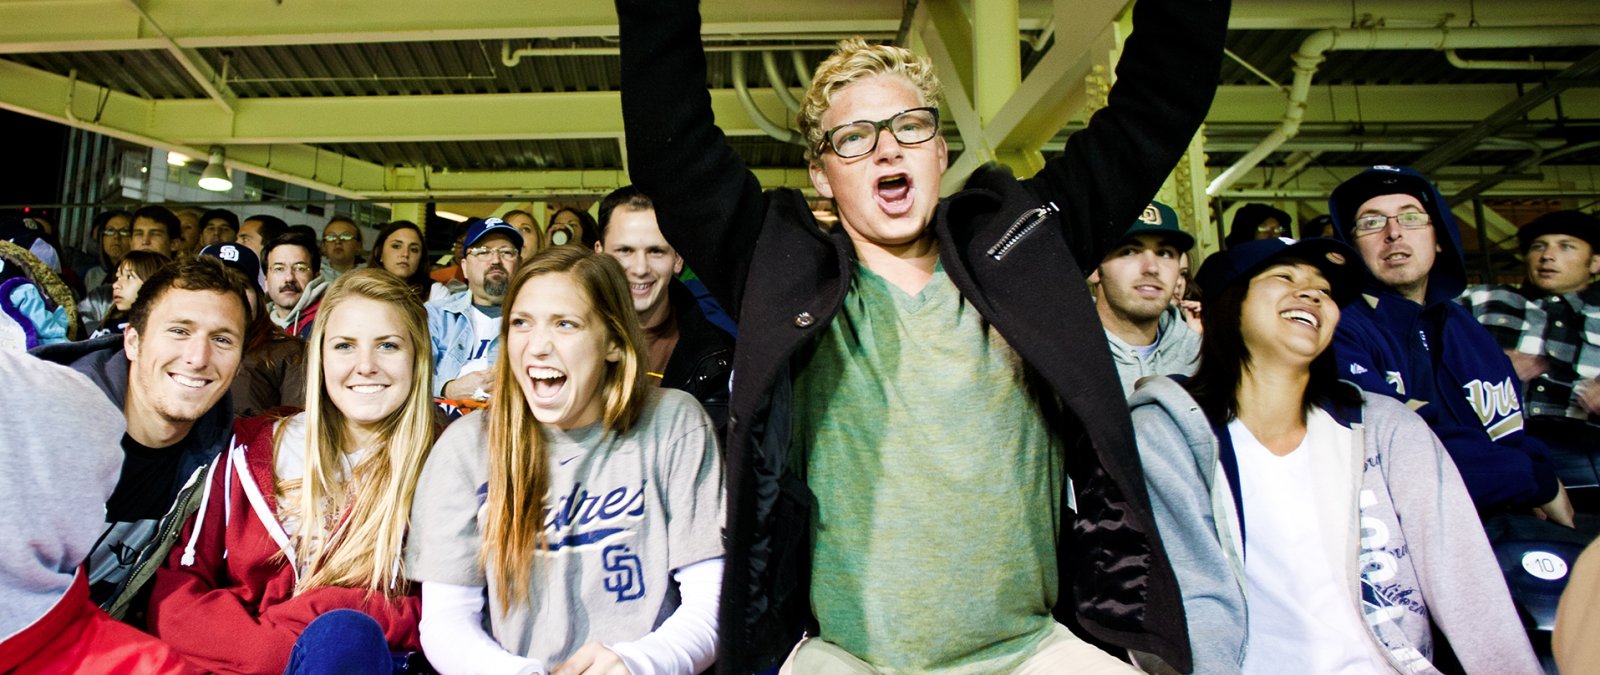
(783, 278)
(703, 358)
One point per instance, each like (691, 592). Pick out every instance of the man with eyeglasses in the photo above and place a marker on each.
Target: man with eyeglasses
(911, 384)
(289, 263)
(341, 244)
(465, 326)
(1410, 340)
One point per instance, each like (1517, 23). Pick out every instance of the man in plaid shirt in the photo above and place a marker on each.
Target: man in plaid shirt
(1550, 326)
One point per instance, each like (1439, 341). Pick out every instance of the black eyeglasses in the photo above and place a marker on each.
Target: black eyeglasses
(910, 127)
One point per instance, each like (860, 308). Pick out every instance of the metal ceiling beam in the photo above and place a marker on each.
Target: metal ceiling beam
(101, 25)
(1509, 114)
(357, 119)
(195, 65)
(1315, 14)
(1383, 104)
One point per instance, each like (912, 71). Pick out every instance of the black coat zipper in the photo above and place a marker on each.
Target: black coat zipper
(1024, 225)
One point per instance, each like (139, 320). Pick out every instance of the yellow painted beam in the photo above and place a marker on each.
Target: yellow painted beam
(101, 25)
(1420, 103)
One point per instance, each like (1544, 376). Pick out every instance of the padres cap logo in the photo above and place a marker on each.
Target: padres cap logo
(1151, 215)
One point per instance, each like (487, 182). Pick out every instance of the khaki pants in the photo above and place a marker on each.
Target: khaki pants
(1060, 652)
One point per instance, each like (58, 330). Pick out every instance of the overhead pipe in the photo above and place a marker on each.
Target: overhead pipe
(780, 84)
(767, 126)
(511, 57)
(802, 72)
(1313, 50)
(1483, 64)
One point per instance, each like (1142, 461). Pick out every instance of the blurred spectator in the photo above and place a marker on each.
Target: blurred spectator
(1258, 221)
(341, 247)
(399, 249)
(256, 230)
(135, 267)
(218, 226)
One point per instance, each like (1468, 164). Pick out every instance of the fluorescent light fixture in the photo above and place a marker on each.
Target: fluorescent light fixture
(177, 158)
(451, 216)
(215, 178)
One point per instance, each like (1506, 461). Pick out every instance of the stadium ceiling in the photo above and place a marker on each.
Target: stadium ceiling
(484, 98)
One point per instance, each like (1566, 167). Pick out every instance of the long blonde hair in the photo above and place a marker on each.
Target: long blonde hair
(513, 528)
(363, 550)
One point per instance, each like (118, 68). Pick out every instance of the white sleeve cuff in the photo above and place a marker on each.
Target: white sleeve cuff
(453, 638)
(686, 642)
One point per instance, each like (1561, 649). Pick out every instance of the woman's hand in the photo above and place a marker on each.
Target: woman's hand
(592, 659)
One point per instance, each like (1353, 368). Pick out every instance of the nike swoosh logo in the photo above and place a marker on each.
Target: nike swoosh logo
(564, 461)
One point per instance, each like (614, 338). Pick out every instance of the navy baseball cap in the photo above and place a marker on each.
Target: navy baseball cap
(1339, 264)
(483, 228)
(238, 257)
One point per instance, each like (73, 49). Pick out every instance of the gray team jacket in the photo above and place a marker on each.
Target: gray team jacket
(1421, 551)
(1177, 352)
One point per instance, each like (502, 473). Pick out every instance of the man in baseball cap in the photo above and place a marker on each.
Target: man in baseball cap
(1133, 289)
(1407, 338)
(1540, 324)
(465, 326)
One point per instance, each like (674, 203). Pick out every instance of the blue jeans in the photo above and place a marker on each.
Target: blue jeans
(342, 641)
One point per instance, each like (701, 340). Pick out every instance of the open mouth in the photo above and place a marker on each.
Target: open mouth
(189, 382)
(547, 382)
(893, 194)
(368, 388)
(641, 289)
(1399, 258)
(1301, 316)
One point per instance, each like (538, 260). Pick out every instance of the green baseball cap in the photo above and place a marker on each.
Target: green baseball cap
(1159, 218)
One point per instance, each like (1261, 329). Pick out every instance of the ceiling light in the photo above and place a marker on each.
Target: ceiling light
(451, 216)
(177, 158)
(215, 178)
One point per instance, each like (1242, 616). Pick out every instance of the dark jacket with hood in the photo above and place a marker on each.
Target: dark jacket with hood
(103, 361)
(702, 361)
(1014, 249)
(1437, 359)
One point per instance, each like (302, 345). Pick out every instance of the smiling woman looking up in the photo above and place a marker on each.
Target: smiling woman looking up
(1336, 513)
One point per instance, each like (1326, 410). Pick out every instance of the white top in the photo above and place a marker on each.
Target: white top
(1300, 555)
(486, 328)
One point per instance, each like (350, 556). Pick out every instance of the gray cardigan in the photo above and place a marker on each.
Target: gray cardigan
(1435, 559)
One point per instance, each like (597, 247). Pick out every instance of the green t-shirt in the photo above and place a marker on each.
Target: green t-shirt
(938, 484)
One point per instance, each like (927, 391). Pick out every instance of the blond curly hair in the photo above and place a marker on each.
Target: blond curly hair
(854, 59)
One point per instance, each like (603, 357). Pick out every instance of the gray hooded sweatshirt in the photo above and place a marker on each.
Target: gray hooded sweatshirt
(61, 460)
(1177, 352)
(1420, 550)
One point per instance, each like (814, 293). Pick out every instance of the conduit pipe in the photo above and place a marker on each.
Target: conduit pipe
(1314, 48)
(1482, 64)
(780, 84)
(767, 126)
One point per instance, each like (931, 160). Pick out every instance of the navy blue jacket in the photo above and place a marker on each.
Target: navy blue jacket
(1437, 359)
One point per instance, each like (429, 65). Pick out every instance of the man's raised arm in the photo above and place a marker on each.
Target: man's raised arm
(709, 205)
(1166, 79)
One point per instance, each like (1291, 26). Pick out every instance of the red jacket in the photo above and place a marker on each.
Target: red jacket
(225, 599)
(75, 636)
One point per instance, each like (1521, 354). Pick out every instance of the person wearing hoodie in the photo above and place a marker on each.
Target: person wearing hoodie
(1409, 339)
(48, 624)
(1258, 221)
(1133, 294)
(306, 514)
(1314, 528)
(290, 263)
(169, 373)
